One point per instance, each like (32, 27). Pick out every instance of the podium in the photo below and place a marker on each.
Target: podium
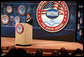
(24, 38)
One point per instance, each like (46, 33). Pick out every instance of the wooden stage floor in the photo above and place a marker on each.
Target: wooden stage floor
(46, 45)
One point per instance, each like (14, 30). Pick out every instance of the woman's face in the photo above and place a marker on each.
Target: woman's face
(28, 16)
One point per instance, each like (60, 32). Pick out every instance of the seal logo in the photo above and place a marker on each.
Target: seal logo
(19, 28)
(17, 19)
(52, 16)
(4, 19)
(21, 10)
(9, 9)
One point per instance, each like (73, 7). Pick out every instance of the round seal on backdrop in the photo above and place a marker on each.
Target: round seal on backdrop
(52, 16)
(21, 10)
(9, 9)
(17, 19)
(4, 19)
(19, 28)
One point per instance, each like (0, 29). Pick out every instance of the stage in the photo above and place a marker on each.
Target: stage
(46, 45)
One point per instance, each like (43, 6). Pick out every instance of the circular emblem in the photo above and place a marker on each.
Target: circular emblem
(21, 10)
(17, 19)
(19, 28)
(9, 9)
(4, 19)
(52, 16)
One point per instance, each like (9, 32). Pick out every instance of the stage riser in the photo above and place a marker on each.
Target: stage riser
(47, 46)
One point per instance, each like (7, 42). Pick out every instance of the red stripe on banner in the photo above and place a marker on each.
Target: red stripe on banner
(59, 6)
(60, 13)
(60, 9)
(44, 10)
(42, 13)
(55, 6)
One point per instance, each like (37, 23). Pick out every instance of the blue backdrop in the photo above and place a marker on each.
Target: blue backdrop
(31, 6)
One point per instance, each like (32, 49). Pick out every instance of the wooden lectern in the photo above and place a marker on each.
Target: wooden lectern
(25, 38)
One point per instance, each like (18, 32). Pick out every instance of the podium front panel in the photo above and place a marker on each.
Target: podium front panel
(24, 38)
